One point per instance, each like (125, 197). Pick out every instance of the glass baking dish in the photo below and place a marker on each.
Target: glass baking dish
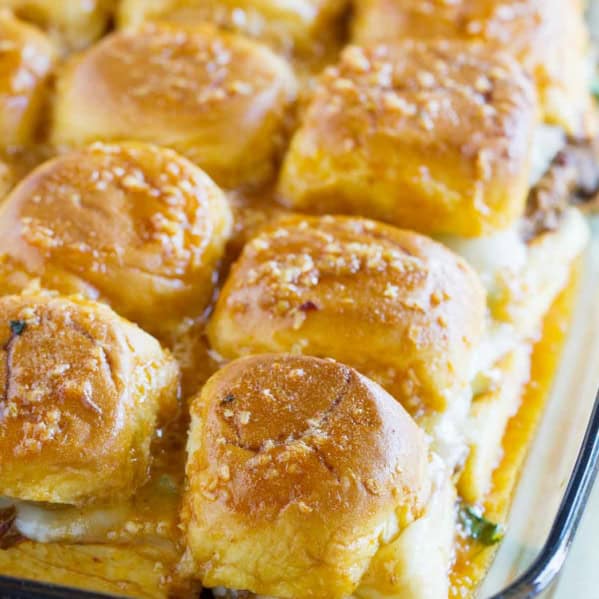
(556, 479)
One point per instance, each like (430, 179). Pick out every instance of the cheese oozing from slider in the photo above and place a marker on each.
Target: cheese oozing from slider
(434, 137)
(291, 26)
(548, 37)
(273, 471)
(26, 60)
(395, 305)
(492, 407)
(84, 391)
(220, 99)
(523, 279)
(134, 225)
(72, 24)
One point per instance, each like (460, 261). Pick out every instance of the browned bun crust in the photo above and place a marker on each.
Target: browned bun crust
(304, 458)
(137, 226)
(72, 24)
(432, 137)
(218, 98)
(301, 25)
(26, 59)
(395, 305)
(81, 392)
(549, 37)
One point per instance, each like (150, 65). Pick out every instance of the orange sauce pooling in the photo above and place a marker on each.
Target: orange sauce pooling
(473, 560)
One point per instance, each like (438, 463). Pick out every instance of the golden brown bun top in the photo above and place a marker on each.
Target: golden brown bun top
(548, 37)
(514, 22)
(199, 90)
(176, 68)
(283, 431)
(287, 25)
(81, 389)
(443, 131)
(395, 305)
(24, 51)
(26, 58)
(72, 24)
(459, 92)
(136, 225)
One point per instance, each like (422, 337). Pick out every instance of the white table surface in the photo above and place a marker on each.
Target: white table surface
(580, 577)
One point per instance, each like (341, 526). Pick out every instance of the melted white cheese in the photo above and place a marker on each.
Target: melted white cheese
(447, 429)
(522, 280)
(415, 564)
(46, 523)
(504, 250)
(488, 420)
(524, 277)
(547, 142)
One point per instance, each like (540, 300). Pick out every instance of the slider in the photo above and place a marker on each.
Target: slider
(72, 24)
(83, 391)
(549, 38)
(302, 25)
(306, 479)
(134, 225)
(433, 137)
(218, 98)
(26, 60)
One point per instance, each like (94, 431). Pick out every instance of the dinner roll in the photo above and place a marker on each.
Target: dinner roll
(134, 225)
(548, 37)
(432, 137)
(74, 24)
(395, 305)
(301, 24)
(218, 98)
(304, 463)
(26, 59)
(81, 392)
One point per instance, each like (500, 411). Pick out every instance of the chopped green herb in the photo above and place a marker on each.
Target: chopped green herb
(229, 398)
(167, 484)
(17, 326)
(595, 86)
(477, 527)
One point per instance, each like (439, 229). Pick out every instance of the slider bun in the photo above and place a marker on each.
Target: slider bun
(26, 58)
(395, 305)
(81, 392)
(74, 24)
(218, 98)
(286, 25)
(432, 137)
(300, 461)
(548, 37)
(134, 225)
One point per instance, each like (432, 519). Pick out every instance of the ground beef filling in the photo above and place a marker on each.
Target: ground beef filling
(572, 178)
(9, 535)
